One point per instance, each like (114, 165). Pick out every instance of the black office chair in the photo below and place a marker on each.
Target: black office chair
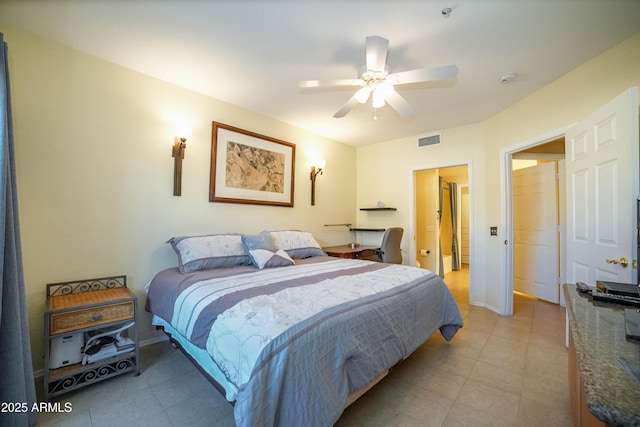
(389, 250)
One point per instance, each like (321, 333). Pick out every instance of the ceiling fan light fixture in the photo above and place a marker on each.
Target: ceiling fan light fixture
(385, 89)
(378, 99)
(362, 95)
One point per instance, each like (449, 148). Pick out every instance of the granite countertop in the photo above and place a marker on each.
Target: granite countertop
(598, 332)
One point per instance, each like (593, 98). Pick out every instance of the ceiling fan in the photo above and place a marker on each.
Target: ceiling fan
(377, 82)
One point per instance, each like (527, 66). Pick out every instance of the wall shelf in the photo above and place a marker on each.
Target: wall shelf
(367, 229)
(378, 209)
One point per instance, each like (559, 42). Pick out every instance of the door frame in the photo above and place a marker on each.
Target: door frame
(412, 215)
(506, 203)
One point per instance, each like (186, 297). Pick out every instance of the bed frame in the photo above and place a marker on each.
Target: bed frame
(175, 344)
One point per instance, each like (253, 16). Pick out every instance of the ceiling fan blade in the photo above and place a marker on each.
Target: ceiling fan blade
(399, 104)
(330, 83)
(348, 106)
(423, 75)
(376, 48)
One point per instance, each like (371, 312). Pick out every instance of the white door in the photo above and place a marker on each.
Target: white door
(535, 232)
(602, 189)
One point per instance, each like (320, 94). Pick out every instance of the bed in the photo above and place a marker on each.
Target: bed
(288, 334)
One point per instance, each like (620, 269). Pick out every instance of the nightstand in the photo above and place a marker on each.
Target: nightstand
(90, 333)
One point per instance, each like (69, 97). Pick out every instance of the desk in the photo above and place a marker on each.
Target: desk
(347, 251)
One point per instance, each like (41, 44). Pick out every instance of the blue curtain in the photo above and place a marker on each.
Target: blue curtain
(17, 384)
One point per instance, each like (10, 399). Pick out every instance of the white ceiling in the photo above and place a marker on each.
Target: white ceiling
(254, 53)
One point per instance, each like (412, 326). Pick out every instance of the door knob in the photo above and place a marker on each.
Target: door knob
(623, 261)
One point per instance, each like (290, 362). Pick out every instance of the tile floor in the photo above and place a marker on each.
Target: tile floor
(497, 371)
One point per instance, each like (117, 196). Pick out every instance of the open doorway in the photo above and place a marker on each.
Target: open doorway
(535, 214)
(442, 224)
(536, 200)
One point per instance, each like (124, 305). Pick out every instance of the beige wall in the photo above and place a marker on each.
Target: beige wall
(95, 172)
(556, 106)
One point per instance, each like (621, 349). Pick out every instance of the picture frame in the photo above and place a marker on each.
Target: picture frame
(250, 168)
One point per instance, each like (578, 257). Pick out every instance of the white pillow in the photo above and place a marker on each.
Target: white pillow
(213, 251)
(298, 244)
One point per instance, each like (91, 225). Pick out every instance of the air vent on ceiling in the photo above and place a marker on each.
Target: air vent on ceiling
(429, 140)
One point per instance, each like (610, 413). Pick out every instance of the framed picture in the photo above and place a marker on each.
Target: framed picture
(247, 167)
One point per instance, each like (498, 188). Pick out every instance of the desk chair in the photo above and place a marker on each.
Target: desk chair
(389, 250)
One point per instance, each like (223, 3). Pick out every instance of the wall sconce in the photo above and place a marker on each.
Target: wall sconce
(183, 131)
(316, 169)
(177, 152)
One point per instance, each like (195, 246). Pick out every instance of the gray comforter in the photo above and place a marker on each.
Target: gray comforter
(296, 341)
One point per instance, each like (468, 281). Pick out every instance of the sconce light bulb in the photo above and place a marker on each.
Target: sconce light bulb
(183, 130)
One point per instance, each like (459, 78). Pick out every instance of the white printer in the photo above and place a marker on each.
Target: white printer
(66, 350)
